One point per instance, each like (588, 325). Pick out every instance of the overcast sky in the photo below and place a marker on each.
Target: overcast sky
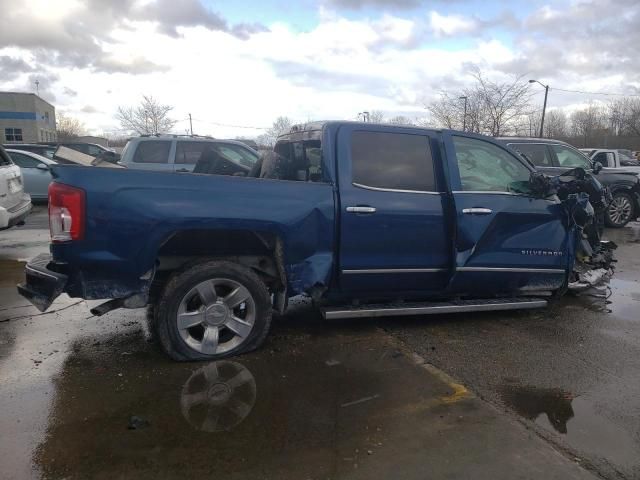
(244, 63)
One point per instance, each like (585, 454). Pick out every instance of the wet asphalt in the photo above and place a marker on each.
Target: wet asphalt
(540, 394)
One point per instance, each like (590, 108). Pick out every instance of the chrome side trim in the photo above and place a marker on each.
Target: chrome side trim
(394, 270)
(490, 193)
(378, 189)
(331, 314)
(514, 270)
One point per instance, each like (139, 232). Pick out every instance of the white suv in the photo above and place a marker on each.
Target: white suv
(179, 153)
(15, 205)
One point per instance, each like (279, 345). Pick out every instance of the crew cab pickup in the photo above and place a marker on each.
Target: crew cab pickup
(368, 220)
(612, 158)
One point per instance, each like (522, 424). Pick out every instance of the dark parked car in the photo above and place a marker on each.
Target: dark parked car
(92, 149)
(369, 220)
(553, 157)
(44, 150)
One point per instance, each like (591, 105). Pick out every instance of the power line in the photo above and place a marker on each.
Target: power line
(596, 93)
(225, 124)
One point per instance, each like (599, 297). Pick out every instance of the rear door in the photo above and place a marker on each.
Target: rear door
(507, 241)
(393, 232)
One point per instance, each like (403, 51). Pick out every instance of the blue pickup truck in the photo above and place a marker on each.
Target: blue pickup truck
(368, 220)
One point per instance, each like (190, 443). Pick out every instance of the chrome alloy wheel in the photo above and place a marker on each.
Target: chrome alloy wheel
(216, 316)
(620, 210)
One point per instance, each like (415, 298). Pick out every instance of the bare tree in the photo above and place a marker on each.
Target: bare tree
(503, 102)
(68, 128)
(493, 108)
(587, 122)
(280, 126)
(150, 117)
(401, 120)
(556, 124)
(630, 115)
(376, 116)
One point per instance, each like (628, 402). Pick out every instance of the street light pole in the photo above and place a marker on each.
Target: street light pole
(464, 119)
(544, 105)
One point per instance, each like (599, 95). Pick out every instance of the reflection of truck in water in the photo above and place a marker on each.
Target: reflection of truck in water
(368, 220)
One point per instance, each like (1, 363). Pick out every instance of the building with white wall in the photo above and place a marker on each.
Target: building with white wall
(26, 118)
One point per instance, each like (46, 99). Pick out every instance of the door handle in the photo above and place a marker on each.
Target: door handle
(477, 211)
(182, 170)
(362, 209)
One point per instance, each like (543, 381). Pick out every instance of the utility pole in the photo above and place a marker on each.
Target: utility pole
(544, 105)
(544, 109)
(190, 124)
(37, 87)
(464, 119)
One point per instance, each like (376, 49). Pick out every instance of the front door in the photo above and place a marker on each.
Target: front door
(394, 239)
(507, 241)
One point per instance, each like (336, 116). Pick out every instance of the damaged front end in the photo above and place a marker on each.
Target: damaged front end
(585, 201)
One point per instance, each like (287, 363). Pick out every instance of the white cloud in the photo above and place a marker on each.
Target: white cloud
(448, 25)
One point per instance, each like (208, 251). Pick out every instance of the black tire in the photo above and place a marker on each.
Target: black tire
(182, 283)
(620, 211)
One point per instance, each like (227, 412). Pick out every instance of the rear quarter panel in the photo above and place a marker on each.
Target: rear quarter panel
(131, 213)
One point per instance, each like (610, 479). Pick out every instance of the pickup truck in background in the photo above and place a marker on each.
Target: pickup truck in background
(368, 220)
(554, 157)
(611, 158)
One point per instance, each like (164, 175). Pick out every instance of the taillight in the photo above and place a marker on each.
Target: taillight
(66, 212)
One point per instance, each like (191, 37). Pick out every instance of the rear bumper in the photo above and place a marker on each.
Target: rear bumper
(42, 285)
(16, 214)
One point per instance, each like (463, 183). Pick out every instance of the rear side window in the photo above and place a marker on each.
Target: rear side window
(393, 161)
(153, 151)
(536, 153)
(189, 152)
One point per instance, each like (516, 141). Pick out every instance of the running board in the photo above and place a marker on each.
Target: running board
(431, 308)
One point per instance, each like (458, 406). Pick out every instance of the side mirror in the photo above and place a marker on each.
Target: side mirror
(42, 166)
(597, 167)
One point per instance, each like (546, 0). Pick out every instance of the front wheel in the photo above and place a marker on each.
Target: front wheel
(211, 311)
(620, 210)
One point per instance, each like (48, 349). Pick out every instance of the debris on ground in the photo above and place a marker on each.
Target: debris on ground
(137, 423)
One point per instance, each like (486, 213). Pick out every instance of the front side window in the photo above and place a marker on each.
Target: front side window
(605, 158)
(393, 161)
(152, 151)
(568, 157)
(485, 167)
(13, 134)
(535, 153)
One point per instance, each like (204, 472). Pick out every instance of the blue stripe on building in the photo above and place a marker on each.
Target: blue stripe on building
(17, 116)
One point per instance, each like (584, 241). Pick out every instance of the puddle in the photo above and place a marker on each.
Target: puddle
(531, 403)
(579, 420)
(11, 272)
(302, 407)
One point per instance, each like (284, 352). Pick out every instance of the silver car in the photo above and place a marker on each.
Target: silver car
(36, 172)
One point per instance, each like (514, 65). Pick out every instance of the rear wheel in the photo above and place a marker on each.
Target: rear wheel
(211, 311)
(620, 210)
